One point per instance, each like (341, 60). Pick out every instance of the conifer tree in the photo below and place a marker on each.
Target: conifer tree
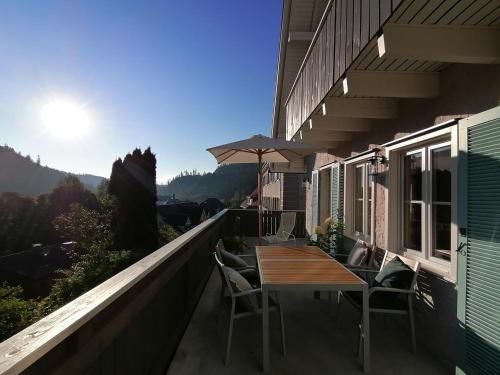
(133, 184)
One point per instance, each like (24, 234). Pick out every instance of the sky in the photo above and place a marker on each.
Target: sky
(179, 76)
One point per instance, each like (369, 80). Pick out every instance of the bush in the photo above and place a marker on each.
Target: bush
(167, 234)
(330, 236)
(90, 270)
(16, 312)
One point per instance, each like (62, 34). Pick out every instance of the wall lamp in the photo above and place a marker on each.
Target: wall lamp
(375, 160)
(305, 183)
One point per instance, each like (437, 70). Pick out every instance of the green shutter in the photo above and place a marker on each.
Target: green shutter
(337, 192)
(315, 197)
(479, 260)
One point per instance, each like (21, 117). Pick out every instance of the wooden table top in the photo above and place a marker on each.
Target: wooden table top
(301, 265)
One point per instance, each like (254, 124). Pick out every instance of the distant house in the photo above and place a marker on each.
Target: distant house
(163, 200)
(212, 206)
(35, 269)
(182, 216)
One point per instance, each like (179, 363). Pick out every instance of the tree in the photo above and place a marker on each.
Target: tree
(15, 311)
(70, 190)
(17, 224)
(133, 186)
(94, 260)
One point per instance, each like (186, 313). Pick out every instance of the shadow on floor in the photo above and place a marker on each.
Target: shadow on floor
(315, 343)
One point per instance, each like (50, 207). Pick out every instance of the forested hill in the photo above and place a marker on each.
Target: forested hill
(227, 182)
(22, 175)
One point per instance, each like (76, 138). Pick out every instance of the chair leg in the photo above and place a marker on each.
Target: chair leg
(330, 302)
(229, 335)
(339, 304)
(282, 323)
(360, 340)
(412, 325)
(221, 301)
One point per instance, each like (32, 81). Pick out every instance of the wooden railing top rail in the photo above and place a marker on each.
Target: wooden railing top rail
(21, 350)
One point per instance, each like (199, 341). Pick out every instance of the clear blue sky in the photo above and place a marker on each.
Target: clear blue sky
(179, 76)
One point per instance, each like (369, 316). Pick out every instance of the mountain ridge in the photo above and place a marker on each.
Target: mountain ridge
(22, 175)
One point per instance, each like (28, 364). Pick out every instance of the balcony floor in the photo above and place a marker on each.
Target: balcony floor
(315, 344)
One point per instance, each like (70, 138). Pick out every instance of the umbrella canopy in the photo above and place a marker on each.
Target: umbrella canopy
(259, 149)
(273, 150)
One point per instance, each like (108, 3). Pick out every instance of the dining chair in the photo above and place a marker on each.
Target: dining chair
(391, 292)
(244, 301)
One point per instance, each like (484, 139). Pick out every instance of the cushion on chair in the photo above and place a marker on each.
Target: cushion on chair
(240, 284)
(358, 254)
(395, 274)
(252, 276)
(231, 260)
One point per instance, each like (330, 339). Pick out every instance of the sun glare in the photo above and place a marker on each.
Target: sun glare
(65, 119)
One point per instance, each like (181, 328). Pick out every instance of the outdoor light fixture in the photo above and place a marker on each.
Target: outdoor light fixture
(305, 183)
(375, 160)
(323, 108)
(310, 123)
(345, 87)
(300, 132)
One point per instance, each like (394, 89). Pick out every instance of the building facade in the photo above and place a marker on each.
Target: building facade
(404, 97)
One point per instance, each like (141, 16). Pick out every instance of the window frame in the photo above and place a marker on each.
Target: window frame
(401, 187)
(394, 198)
(350, 167)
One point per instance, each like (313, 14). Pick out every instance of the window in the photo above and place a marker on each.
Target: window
(359, 206)
(426, 202)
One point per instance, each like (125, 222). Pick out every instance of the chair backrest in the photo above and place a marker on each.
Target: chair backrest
(225, 278)
(219, 247)
(412, 263)
(377, 258)
(358, 254)
(287, 224)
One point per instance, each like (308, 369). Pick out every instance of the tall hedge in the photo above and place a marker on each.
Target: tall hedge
(133, 186)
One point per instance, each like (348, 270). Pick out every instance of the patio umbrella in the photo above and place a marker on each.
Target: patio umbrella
(261, 149)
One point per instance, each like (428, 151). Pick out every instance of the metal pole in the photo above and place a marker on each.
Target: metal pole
(259, 185)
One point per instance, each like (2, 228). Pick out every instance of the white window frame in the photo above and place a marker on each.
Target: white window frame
(394, 199)
(401, 202)
(350, 167)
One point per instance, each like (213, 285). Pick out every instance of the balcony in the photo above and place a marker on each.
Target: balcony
(368, 54)
(148, 319)
(344, 31)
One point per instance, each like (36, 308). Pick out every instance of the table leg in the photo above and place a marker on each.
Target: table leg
(366, 331)
(265, 329)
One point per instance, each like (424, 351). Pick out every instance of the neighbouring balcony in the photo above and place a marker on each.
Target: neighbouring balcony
(149, 318)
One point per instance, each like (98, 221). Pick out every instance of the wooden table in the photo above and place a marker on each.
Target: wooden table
(306, 268)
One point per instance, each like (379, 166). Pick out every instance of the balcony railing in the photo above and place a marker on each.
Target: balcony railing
(133, 322)
(345, 29)
(270, 222)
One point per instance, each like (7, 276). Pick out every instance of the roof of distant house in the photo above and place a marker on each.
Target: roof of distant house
(212, 205)
(37, 263)
(189, 209)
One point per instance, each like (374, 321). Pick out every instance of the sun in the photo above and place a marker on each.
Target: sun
(65, 119)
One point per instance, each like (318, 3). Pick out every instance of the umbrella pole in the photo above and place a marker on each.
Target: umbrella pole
(259, 185)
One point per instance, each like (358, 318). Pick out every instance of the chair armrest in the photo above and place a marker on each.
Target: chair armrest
(246, 268)
(247, 256)
(362, 269)
(248, 292)
(389, 290)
